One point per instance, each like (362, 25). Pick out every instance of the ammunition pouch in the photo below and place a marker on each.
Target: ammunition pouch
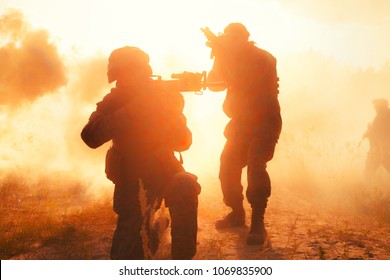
(169, 164)
(113, 165)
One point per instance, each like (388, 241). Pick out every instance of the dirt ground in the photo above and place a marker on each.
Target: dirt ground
(300, 225)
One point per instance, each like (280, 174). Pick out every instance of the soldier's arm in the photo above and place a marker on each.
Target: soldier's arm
(215, 76)
(97, 131)
(103, 125)
(368, 132)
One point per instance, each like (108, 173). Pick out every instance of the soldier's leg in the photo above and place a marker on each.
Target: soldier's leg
(232, 162)
(182, 199)
(126, 241)
(259, 187)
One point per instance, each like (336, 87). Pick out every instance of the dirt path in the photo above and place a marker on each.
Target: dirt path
(299, 227)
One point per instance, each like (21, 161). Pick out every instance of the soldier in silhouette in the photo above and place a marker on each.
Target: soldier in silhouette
(146, 126)
(253, 130)
(378, 135)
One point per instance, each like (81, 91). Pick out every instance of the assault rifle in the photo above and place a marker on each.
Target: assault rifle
(218, 44)
(211, 37)
(213, 41)
(187, 82)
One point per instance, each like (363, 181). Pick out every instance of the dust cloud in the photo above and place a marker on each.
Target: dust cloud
(31, 66)
(46, 99)
(326, 107)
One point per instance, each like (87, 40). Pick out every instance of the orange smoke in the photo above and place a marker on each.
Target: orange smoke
(31, 66)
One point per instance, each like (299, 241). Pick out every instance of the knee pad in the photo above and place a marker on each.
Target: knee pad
(183, 187)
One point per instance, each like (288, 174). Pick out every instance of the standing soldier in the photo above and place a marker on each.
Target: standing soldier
(255, 124)
(146, 125)
(378, 134)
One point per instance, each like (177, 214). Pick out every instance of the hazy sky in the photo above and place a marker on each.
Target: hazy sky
(354, 32)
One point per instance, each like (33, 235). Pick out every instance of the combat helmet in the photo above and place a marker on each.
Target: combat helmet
(130, 59)
(237, 30)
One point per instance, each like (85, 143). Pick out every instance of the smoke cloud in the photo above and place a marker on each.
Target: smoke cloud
(46, 99)
(326, 107)
(31, 66)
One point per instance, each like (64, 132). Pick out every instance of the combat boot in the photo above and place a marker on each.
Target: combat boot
(257, 233)
(236, 218)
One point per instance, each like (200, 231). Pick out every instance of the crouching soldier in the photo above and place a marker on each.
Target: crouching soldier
(146, 126)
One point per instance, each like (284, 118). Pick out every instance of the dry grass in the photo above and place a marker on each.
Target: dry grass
(48, 214)
(57, 219)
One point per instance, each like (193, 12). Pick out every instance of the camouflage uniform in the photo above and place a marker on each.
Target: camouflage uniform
(145, 133)
(253, 131)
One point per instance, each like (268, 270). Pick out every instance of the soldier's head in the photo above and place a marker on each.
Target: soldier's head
(237, 32)
(234, 38)
(128, 62)
(380, 104)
